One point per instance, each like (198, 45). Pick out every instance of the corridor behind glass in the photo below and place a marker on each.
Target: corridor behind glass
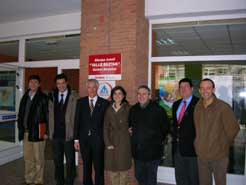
(230, 84)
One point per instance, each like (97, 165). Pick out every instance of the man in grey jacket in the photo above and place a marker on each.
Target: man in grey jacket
(62, 106)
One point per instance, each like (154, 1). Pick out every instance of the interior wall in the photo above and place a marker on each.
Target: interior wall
(73, 78)
(5, 58)
(193, 7)
(43, 25)
(47, 76)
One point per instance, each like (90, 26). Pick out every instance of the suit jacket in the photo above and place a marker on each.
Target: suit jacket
(184, 134)
(69, 114)
(85, 123)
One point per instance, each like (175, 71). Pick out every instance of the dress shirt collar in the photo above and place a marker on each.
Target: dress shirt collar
(94, 100)
(31, 95)
(188, 100)
(64, 95)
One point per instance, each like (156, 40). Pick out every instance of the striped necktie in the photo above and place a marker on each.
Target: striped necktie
(91, 106)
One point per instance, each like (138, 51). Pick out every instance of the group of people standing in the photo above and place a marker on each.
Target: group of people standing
(108, 135)
(203, 131)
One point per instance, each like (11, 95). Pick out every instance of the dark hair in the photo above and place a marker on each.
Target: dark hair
(208, 80)
(122, 90)
(34, 77)
(145, 87)
(61, 76)
(186, 80)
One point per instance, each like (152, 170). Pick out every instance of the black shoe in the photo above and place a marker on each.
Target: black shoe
(25, 183)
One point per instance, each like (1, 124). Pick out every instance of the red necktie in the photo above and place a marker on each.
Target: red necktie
(181, 114)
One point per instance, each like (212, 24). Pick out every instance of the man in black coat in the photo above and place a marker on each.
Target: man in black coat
(89, 119)
(33, 111)
(185, 161)
(148, 125)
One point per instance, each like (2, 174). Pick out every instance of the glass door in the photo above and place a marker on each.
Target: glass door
(9, 145)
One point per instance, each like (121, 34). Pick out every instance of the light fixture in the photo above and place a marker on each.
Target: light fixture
(165, 42)
(242, 94)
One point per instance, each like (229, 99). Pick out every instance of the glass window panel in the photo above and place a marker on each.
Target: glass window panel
(193, 40)
(9, 51)
(7, 90)
(7, 108)
(7, 133)
(53, 48)
(230, 81)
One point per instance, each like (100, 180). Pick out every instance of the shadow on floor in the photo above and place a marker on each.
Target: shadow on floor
(13, 173)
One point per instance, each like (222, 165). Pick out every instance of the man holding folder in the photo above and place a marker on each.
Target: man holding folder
(32, 122)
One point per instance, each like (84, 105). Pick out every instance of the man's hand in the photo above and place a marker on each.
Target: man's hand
(76, 145)
(46, 136)
(130, 131)
(111, 147)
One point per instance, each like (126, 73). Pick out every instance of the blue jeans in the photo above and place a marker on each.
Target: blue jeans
(146, 172)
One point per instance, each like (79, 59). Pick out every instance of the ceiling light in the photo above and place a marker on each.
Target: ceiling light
(51, 42)
(180, 53)
(242, 94)
(165, 42)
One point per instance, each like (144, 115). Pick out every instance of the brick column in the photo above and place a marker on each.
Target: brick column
(116, 26)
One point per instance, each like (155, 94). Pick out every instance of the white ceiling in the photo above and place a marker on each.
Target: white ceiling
(226, 39)
(216, 39)
(16, 10)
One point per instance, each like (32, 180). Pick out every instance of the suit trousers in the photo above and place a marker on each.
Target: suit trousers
(34, 160)
(92, 153)
(186, 169)
(217, 168)
(61, 147)
(119, 177)
(146, 172)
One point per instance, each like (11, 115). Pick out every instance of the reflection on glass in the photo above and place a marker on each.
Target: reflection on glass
(7, 108)
(230, 82)
(7, 132)
(7, 90)
(53, 48)
(9, 51)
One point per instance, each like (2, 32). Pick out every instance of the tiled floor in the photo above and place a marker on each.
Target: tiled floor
(12, 173)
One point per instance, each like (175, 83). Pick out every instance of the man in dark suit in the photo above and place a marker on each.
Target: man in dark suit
(62, 106)
(185, 161)
(89, 119)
